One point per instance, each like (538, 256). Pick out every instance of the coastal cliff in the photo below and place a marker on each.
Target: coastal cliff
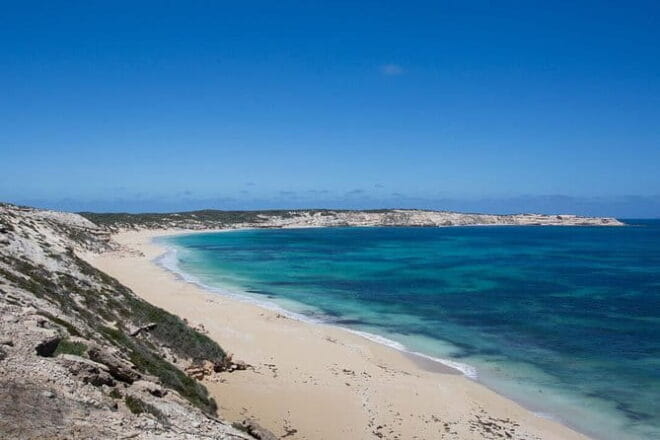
(213, 219)
(81, 356)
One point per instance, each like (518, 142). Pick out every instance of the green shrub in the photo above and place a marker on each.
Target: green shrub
(67, 346)
(73, 331)
(170, 330)
(149, 361)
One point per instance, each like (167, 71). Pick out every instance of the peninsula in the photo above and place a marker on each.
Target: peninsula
(213, 219)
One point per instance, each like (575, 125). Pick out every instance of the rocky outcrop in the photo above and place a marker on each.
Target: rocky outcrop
(119, 368)
(255, 430)
(81, 357)
(205, 369)
(88, 371)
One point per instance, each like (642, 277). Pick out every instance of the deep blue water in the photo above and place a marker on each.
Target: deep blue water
(564, 319)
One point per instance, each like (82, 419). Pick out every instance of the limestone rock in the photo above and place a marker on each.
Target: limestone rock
(88, 371)
(255, 430)
(120, 369)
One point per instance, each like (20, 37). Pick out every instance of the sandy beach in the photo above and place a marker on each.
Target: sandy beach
(314, 381)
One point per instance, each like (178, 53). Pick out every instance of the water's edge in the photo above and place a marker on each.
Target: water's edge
(168, 261)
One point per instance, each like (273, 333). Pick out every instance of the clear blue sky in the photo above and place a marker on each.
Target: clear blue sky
(479, 106)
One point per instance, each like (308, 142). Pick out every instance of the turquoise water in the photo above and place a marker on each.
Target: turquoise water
(565, 320)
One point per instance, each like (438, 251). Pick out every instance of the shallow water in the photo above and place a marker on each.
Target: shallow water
(565, 320)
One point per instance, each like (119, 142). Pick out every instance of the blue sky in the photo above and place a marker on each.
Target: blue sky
(478, 106)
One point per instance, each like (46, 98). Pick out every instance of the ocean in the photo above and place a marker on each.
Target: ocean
(564, 320)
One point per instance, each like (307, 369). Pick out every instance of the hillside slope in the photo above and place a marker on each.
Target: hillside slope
(80, 355)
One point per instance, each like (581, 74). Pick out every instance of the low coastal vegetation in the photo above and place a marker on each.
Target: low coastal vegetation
(67, 346)
(157, 219)
(148, 360)
(211, 218)
(215, 219)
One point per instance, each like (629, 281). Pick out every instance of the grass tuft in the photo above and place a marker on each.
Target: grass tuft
(67, 346)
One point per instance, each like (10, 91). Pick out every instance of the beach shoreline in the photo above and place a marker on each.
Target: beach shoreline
(314, 381)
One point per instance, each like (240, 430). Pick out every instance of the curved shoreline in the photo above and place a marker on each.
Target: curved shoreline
(425, 361)
(311, 362)
(443, 365)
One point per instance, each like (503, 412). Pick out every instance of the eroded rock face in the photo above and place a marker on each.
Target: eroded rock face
(67, 354)
(119, 368)
(87, 371)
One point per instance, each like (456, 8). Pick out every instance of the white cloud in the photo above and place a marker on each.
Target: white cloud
(391, 70)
